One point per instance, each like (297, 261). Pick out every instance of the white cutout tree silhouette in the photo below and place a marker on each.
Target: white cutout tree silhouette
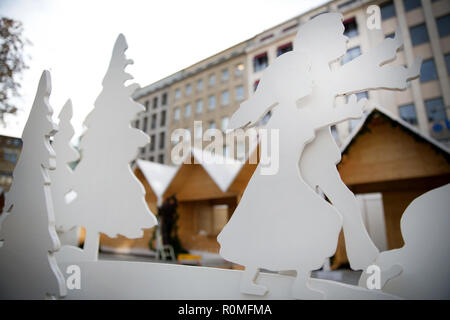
(28, 269)
(62, 177)
(110, 199)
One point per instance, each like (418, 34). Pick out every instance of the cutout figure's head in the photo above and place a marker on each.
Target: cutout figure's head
(322, 37)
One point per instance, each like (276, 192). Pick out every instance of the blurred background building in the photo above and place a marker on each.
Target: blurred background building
(209, 91)
(405, 155)
(212, 89)
(10, 148)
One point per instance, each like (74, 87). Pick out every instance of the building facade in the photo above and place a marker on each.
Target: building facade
(207, 96)
(212, 89)
(425, 26)
(154, 120)
(209, 92)
(10, 148)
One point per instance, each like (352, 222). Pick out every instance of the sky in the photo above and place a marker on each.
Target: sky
(73, 39)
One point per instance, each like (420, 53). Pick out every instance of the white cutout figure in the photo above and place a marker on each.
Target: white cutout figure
(320, 157)
(110, 198)
(62, 177)
(28, 269)
(291, 227)
(420, 269)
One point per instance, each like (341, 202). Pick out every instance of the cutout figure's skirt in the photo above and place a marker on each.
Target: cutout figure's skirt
(285, 226)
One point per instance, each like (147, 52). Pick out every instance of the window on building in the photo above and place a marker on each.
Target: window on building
(146, 105)
(447, 62)
(176, 114)
(239, 70)
(435, 110)
(212, 102)
(163, 118)
(187, 110)
(408, 113)
(411, 4)
(151, 158)
(142, 151)
(152, 142)
(188, 89)
(387, 10)
(212, 80)
(351, 54)
(225, 75)
(162, 138)
(443, 24)
(239, 93)
(199, 108)
(284, 48)
(155, 102)
(164, 99)
(260, 62)
(351, 28)
(200, 85)
(153, 124)
(428, 71)
(144, 125)
(225, 100)
(136, 125)
(419, 34)
(161, 158)
(224, 124)
(177, 94)
(255, 85)
(212, 125)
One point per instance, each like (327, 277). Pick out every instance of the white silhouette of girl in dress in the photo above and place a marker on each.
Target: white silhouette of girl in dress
(281, 223)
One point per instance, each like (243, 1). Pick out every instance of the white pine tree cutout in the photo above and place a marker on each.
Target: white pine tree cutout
(62, 176)
(28, 269)
(110, 199)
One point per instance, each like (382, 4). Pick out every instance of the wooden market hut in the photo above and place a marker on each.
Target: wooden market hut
(207, 194)
(389, 156)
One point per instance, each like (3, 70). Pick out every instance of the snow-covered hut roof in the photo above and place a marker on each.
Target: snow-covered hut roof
(394, 118)
(159, 176)
(222, 170)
